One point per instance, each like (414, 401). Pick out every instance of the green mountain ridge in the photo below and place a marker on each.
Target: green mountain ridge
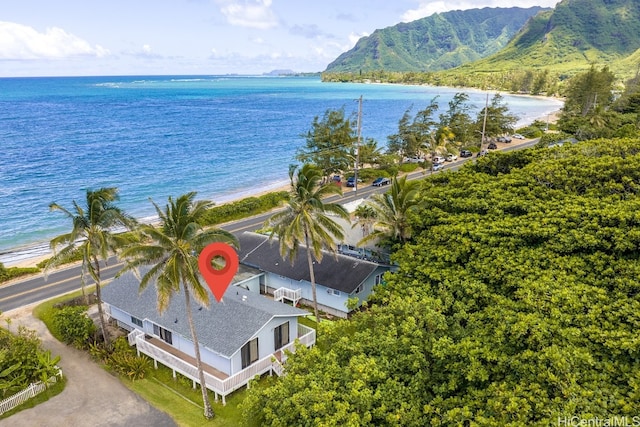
(570, 38)
(438, 42)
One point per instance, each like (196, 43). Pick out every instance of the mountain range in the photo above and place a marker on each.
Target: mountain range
(568, 38)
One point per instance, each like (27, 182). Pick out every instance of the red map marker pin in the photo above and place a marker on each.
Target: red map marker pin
(218, 280)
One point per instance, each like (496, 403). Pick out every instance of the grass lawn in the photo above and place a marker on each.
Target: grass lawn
(184, 404)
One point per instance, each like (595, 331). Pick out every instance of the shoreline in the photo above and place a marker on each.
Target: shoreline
(29, 255)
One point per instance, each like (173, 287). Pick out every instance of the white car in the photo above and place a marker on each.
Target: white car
(437, 166)
(437, 159)
(413, 160)
(517, 136)
(452, 158)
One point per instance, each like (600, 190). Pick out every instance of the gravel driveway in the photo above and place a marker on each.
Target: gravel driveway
(92, 397)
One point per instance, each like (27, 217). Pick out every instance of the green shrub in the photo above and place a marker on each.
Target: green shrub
(409, 167)
(7, 274)
(122, 359)
(74, 326)
(244, 208)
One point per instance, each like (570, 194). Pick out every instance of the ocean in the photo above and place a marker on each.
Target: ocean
(226, 137)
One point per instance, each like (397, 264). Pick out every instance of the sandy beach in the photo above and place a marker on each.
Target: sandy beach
(30, 256)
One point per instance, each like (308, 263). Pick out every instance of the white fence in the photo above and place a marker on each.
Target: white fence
(34, 389)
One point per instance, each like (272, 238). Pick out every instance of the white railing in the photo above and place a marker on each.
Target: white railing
(288, 294)
(131, 337)
(306, 336)
(31, 391)
(277, 367)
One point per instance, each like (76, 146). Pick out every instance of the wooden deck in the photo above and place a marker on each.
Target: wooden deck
(184, 356)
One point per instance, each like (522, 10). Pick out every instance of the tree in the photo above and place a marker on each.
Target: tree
(306, 220)
(415, 134)
(329, 143)
(498, 121)
(391, 211)
(587, 90)
(369, 152)
(172, 251)
(457, 119)
(93, 235)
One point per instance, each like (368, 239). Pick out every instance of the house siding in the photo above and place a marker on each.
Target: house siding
(330, 300)
(179, 342)
(230, 366)
(266, 343)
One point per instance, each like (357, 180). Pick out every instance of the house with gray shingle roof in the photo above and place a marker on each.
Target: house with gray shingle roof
(243, 330)
(338, 277)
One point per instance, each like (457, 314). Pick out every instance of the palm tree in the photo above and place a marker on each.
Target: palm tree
(172, 252)
(93, 236)
(392, 211)
(306, 220)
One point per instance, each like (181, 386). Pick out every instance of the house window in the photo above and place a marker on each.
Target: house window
(378, 279)
(164, 334)
(333, 292)
(360, 288)
(281, 335)
(136, 321)
(249, 352)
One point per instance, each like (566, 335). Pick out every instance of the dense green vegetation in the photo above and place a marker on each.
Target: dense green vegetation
(437, 42)
(551, 47)
(516, 302)
(23, 361)
(7, 274)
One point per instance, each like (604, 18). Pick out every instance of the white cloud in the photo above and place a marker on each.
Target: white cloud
(353, 38)
(249, 13)
(22, 42)
(428, 8)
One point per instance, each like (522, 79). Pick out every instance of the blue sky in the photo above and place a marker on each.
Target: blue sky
(156, 37)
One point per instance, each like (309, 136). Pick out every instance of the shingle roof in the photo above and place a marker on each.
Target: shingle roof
(224, 327)
(341, 272)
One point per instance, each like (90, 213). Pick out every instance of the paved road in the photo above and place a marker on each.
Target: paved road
(40, 288)
(92, 396)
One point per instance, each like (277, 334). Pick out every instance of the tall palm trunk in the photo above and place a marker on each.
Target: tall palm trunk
(312, 275)
(208, 410)
(103, 326)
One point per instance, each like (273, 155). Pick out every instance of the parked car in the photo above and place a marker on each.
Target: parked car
(504, 139)
(492, 146)
(517, 136)
(437, 166)
(351, 181)
(452, 158)
(336, 179)
(379, 182)
(465, 153)
(437, 159)
(413, 160)
(482, 152)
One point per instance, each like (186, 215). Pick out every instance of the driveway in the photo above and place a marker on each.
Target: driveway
(92, 397)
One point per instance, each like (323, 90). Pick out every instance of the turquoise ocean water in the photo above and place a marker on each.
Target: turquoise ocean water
(225, 137)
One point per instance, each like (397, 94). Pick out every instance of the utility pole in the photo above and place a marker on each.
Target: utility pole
(359, 126)
(484, 122)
